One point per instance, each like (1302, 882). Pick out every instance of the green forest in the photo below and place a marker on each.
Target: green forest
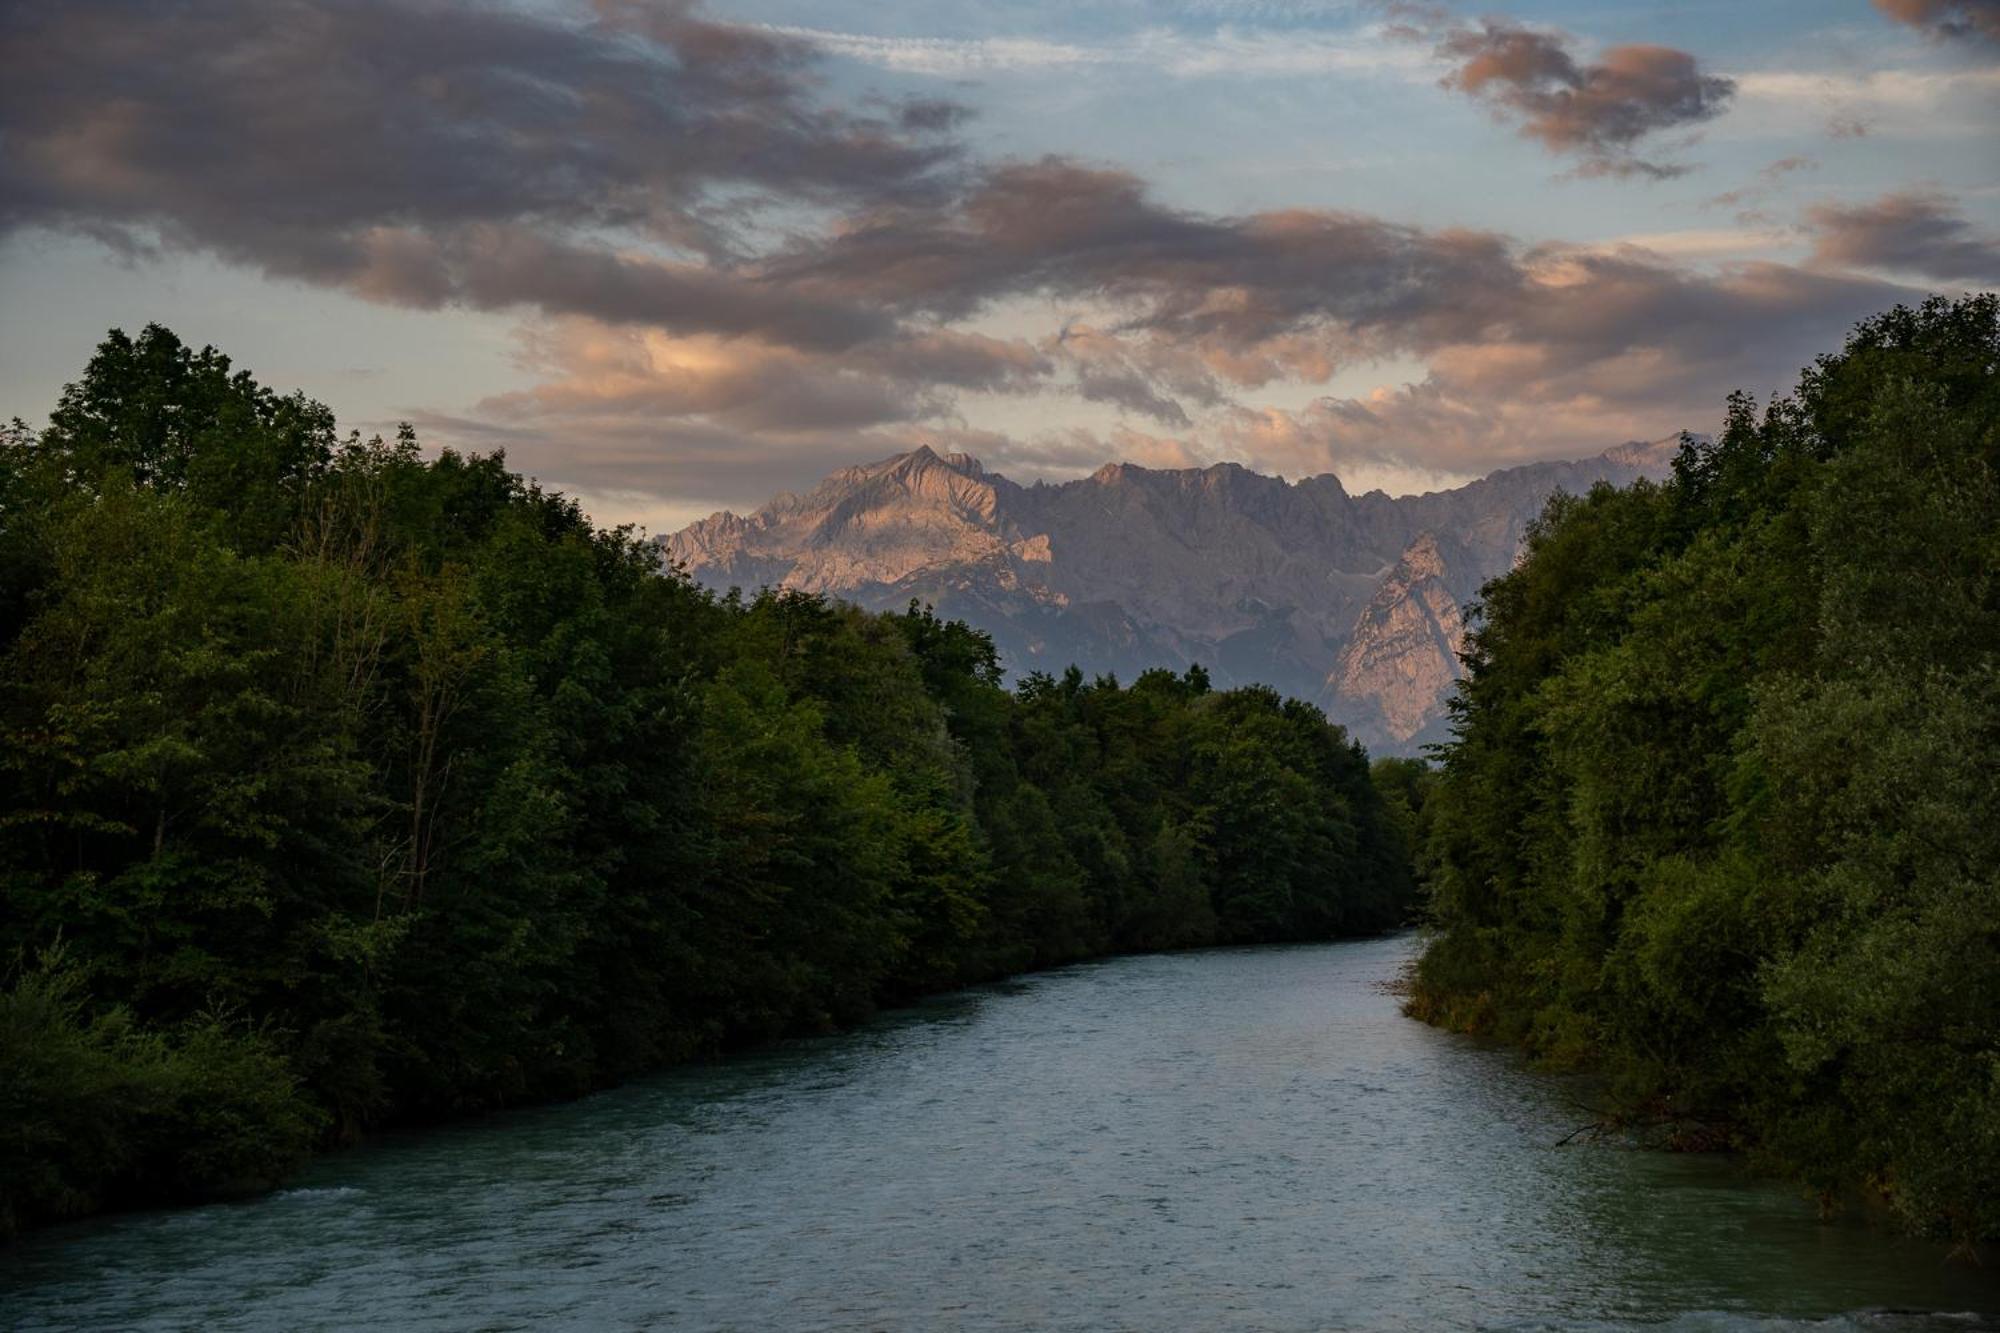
(343, 784)
(1721, 815)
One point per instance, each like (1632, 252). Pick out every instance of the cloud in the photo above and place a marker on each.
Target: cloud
(949, 57)
(1747, 199)
(1605, 346)
(1146, 378)
(1918, 232)
(1596, 112)
(422, 153)
(1768, 175)
(645, 433)
(591, 372)
(1225, 52)
(1534, 352)
(1848, 104)
(730, 285)
(598, 386)
(610, 165)
(1074, 450)
(1747, 241)
(1250, 298)
(1948, 20)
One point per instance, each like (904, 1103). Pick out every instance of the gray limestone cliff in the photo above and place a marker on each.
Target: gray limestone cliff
(1401, 658)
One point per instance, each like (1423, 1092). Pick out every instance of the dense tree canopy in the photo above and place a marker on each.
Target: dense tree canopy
(1721, 815)
(341, 784)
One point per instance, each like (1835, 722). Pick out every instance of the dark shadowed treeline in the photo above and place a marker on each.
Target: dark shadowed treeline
(340, 786)
(1722, 814)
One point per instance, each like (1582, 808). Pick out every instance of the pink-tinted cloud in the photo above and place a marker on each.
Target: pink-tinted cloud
(1919, 232)
(609, 175)
(1594, 111)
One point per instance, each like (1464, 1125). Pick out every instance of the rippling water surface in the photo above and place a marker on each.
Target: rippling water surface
(1249, 1139)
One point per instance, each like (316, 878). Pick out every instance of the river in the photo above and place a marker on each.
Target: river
(1233, 1139)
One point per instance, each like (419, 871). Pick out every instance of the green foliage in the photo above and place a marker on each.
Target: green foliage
(1719, 815)
(97, 1109)
(448, 799)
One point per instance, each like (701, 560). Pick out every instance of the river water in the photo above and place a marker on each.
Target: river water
(1234, 1139)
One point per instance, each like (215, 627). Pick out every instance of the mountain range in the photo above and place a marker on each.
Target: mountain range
(1355, 602)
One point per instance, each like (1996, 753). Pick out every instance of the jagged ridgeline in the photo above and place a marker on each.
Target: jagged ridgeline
(342, 785)
(1352, 602)
(1722, 816)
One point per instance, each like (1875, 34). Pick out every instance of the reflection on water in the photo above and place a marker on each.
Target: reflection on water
(1245, 1139)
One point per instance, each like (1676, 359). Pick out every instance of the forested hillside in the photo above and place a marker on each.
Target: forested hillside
(1722, 814)
(342, 785)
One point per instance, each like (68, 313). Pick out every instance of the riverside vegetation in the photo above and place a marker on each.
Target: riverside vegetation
(1721, 818)
(342, 786)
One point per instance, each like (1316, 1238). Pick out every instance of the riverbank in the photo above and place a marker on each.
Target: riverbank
(288, 1171)
(1665, 1127)
(1718, 818)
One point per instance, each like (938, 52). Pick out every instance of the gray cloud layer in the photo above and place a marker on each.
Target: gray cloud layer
(424, 153)
(726, 277)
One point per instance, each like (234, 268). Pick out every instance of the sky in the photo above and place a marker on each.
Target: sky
(674, 258)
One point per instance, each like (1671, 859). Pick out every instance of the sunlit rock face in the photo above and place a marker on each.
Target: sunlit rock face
(1401, 659)
(1354, 602)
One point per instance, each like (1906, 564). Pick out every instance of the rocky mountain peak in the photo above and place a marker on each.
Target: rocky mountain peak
(1649, 455)
(1402, 657)
(1352, 600)
(877, 522)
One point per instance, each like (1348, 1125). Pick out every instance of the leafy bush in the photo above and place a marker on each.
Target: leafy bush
(94, 1110)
